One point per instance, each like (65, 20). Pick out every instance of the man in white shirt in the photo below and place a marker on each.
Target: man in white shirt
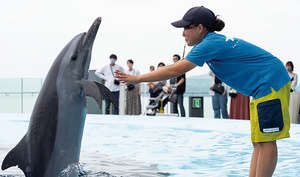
(107, 73)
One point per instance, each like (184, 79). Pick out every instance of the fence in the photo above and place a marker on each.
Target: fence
(18, 95)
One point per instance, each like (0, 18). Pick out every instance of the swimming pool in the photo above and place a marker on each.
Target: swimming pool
(162, 146)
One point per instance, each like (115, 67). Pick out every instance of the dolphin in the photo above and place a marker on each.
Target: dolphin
(53, 138)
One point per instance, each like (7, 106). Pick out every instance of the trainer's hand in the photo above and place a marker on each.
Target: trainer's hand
(125, 78)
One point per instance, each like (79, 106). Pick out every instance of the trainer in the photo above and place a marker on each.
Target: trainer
(246, 68)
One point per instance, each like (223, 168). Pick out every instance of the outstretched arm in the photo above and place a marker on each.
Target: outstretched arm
(163, 73)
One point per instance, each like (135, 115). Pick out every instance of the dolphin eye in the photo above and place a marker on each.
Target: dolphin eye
(74, 57)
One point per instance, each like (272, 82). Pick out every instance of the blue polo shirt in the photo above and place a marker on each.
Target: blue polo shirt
(245, 67)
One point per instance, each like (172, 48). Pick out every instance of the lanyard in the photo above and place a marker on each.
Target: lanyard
(112, 72)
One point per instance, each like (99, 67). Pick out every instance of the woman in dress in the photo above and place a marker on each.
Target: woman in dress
(133, 94)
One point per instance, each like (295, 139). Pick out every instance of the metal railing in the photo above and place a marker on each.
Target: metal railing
(18, 95)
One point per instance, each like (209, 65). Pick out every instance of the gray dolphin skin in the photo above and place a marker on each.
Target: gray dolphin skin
(53, 139)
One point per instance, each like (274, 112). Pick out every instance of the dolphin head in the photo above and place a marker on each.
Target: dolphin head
(77, 54)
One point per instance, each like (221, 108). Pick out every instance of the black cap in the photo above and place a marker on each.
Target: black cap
(196, 15)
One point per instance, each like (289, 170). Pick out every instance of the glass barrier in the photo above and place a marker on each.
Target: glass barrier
(18, 95)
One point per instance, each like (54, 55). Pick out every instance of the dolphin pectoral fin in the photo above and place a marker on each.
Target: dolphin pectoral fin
(106, 93)
(17, 156)
(95, 90)
(89, 88)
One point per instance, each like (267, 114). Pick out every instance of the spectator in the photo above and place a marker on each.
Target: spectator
(107, 73)
(155, 84)
(219, 100)
(248, 69)
(178, 86)
(294, 77)
(152, 68)
(239, 106)
(161, 64)
(150, 84)
(133, 94)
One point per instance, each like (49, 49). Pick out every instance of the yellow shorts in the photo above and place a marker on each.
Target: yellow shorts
(269, 116)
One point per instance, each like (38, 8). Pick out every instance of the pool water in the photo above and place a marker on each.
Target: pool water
(161, 146)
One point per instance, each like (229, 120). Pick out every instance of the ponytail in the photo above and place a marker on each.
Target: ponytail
(218, 25)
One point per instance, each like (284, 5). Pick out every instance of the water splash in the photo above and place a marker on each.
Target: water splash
(71, 170)
(77, 169)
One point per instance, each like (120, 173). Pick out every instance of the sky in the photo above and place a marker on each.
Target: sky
(33, 32)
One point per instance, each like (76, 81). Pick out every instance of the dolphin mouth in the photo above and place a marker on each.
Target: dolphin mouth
(92, 32)
(87, 45)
